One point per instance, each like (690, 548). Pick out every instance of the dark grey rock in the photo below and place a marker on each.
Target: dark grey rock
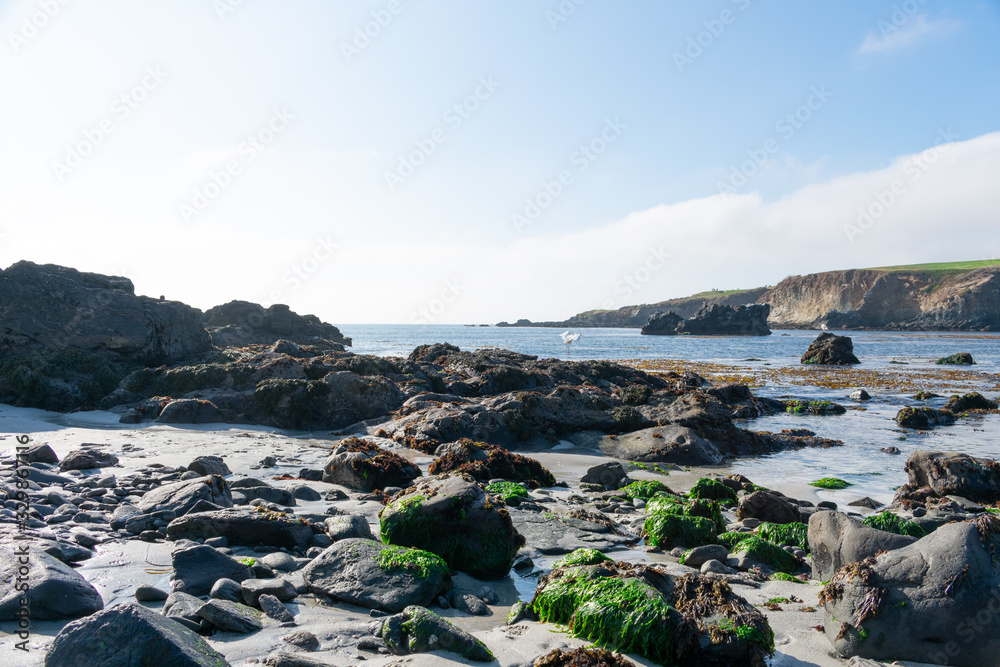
(180, 497)
(38, 453)
(182, 605)
(244, 527)
(699, 555)
(344, 526)
(197, 568)
(272, 606)
(435, 634)
(280, 588)
(85, 459)
(209, 465)
(767, 506)
(231, 616)
(226, 589)
(150, 594)
(610, 475)
(302, 639)
(56, 591)
(836, 539)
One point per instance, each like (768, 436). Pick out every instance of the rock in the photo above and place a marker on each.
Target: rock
(923, 603)
(243, 527)
(302, 639)
(454, 518)
(282, 589)
(38, 453)
(663, 444)
(55, 590)
(469, 604)
(227, 589)
(830, 349)
(197, 568)
(251, 489)
(767, 506)
(865, 502)
(281, 561)
(344, 526)
(149, 594)
(358, 464)
(485, 462)
(121, 515)
(231, 616)
(272, 606)
(891, 450)
(713, 320)
(241, 323)
(180, 497)
(182, 605)
(592, 657)
(699, 555)
(860, 395)
(549, 533)
(716, 567)
(209, 465)
(281, 659)
(662, 324)
(836, 539)
(70, 337)
(190, 411)
(417, 630)
(971, 401)
(85, 459)
(149, 639)
(304, 492)
(954, 474)
(376, 576)
(610, 475)
(922, 418)
(958, 359)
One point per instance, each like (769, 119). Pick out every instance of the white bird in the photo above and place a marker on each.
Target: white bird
(568, 338)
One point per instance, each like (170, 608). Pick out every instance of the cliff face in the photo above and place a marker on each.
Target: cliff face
(898, 300)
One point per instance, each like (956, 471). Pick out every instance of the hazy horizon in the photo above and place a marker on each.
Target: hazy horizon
(367, 162)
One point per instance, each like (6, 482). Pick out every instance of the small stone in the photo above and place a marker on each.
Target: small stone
(217, 542)
(226, 589)
(827, 505)
(714, 566)
(272, 606)
(306, 641)
(149, 594)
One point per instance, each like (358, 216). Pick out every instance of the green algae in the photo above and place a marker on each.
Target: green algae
(784, 576)
(712, 489)
(793, 534)
(582, 556)
(644, 489)
(668, 530)
(891, 523)
(511, 492)
(731, 539)
(699, 507)
(414, 561)
(769, 554)
(831, 483)
(624, 615)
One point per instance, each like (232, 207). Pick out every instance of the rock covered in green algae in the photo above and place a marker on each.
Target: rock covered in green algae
(792, 534)
(711, 489)
(641, 609)
(418, 630)
(582, 556)
(671, 522)
(453, 517)
(958, 359)
(754, 551)
(922, 418)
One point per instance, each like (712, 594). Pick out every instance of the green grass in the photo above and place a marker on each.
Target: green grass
(716, 292)
(831, 483)
(941, 266)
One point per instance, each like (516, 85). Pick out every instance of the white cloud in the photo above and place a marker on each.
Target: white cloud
(901, 31)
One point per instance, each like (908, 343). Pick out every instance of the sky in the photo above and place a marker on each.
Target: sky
(436, 162)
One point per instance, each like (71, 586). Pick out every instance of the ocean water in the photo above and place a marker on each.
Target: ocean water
(865, 429)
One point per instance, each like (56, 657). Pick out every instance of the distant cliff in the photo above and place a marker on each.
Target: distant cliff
(957, 296)
(637, 316)
(897, 299)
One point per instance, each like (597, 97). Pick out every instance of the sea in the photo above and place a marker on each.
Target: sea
(866, 429)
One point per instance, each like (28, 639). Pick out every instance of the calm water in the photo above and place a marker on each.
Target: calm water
(864, 432)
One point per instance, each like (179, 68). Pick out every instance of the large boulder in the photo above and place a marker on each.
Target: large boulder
(830, 349)
(209, 465)
(455, 518)
(362, 465)
(244, 527)
(970, 401)
(55, 590)
(197, 568)
(923, 418)
(180, 497)
(836, 540)
(377, 576)
(957, 359)
(767, 506)
(190, 411)
(663, 444)
(128, 635)
(954, 474)
(240, 323)
(87, 459)
(484, 462)
(69, 337)
(933, 601)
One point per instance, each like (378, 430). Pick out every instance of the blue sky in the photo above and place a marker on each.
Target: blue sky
(564, 156)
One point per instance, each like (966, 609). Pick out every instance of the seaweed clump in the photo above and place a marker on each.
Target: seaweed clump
(833, 483)
(712, 489)
(511, 492)
(485, 462)
(582, 556)
(891, 523)
(378, 467)
(766, 553)
(582, 657)
(417, 562)
(793, 534)
(644, 489)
